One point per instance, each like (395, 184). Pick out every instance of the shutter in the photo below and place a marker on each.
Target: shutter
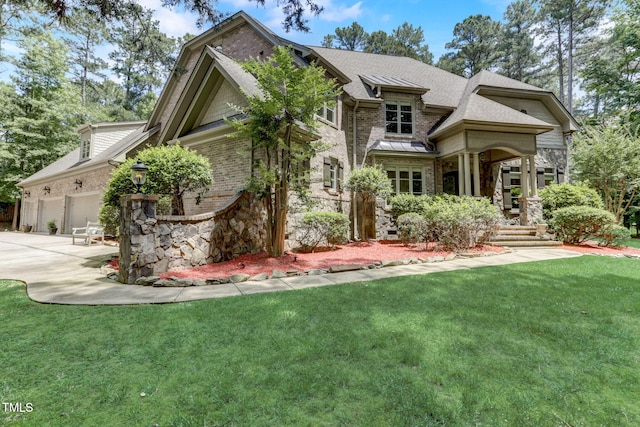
(326, 172)
(560, 175)
(340, 175)
(540, 177)
(506, 187)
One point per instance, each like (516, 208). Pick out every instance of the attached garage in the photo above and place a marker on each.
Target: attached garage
(82, 208)
(50, 209)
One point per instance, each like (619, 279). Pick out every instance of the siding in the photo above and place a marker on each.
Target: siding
(219, 107)
(537, 109)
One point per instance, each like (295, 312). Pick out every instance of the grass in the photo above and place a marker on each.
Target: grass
(553, 343)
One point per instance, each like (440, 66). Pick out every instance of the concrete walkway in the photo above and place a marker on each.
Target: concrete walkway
(58, 272)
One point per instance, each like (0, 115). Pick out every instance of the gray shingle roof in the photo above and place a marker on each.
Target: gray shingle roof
(71, 163)
(445, 89)
(236, 73)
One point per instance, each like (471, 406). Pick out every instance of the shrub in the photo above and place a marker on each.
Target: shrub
(558, 196)
(460, 223)
(614, 235)
(321, 227)
(408, 203)
(413, 228)
(575, 224)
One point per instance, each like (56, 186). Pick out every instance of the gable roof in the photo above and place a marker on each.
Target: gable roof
(199, 84)
(69, 164)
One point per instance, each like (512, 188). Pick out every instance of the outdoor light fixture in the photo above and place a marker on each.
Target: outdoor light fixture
(47, 189)
(78, 184)
(139, 175)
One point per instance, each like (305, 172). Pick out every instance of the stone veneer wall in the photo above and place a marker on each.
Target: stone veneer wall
(151, 245)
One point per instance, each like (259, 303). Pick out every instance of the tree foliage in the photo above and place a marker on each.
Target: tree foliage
(608, 159)
(405, 40)
(476, 42)
(206, 9)
(173, 171)
(38, 112)
(370, 182)
(280, 121)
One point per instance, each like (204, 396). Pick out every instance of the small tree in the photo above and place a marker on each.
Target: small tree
(608, 159)
(370, 182)
(279, 124)
(173, 171)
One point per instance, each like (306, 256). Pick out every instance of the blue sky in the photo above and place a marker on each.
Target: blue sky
(437, 19)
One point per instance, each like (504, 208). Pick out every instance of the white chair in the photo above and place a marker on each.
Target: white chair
(93, 231)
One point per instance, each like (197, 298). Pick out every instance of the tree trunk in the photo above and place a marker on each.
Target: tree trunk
(560, 66)
(570, 66)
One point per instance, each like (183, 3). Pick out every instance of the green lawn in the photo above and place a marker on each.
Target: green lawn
(541, 344)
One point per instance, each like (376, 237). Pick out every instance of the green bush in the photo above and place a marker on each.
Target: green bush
(575, 224)
(413, 228)
(558, 196)
(459, 223)
(316, 228)
(408, 203)
(614, 235)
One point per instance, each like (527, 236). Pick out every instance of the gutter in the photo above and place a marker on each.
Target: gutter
(354, 203)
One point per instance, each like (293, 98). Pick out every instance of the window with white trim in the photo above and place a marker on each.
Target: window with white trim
(85, 149)
(399, 117)
(328, 113)
(406, 179)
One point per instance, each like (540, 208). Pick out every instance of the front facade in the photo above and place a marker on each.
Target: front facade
(432, 131)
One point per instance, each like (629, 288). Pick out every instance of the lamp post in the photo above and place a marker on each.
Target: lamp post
(139, 175)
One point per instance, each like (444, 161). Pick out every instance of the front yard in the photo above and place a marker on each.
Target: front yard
(553, 343)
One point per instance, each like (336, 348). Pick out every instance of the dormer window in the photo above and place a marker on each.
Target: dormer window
(85, 149)
(399, 117)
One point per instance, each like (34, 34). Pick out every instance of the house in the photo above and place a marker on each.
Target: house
(70, 189)
(432, 131)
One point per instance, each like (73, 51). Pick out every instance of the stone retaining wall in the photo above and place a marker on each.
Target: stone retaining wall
(152, 245)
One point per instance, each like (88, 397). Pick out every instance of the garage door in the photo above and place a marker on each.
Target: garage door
(50, 210)
(82, 209)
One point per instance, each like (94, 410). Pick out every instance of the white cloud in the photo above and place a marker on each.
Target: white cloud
(341, 12)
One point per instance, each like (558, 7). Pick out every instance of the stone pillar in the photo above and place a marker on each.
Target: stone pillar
(137, 237)
(467, 175)
(530, 210)
(476, 175)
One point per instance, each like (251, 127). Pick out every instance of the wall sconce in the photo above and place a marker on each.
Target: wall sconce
(78, 184)
(47, 189)
(27, 194)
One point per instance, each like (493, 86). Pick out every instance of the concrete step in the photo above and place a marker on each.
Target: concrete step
(528, 243)
(517, 227)
(516, 232)
(508, 237)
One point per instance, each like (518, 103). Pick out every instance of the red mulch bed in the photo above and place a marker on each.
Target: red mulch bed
(593, 249)
(352, 253)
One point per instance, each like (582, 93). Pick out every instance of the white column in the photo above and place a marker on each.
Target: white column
(476, 175)
(467, 175)
(524, 177)
(460, 175)
(533, 181)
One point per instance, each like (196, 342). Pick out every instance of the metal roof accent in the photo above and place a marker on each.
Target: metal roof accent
(405, 147)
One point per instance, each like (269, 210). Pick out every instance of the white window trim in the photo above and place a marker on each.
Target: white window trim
(322, 113)
(85, 149)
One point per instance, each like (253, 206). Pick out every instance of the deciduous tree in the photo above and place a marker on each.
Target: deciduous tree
(280, 122)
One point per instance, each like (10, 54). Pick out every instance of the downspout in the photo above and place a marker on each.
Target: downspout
(354, 202)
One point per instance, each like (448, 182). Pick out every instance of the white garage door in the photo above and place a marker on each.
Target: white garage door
(82, 209)
(50, 210)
